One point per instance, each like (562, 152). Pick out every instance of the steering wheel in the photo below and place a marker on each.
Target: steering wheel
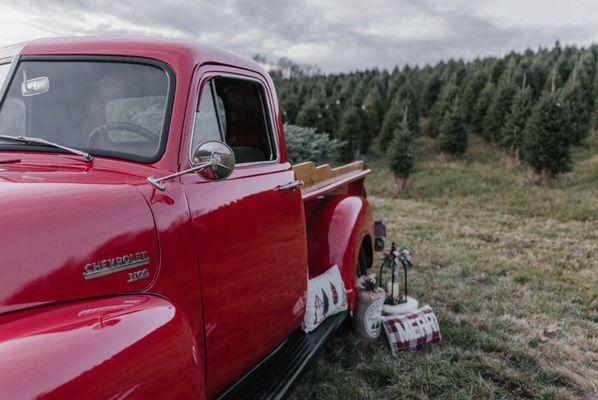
(121, 126)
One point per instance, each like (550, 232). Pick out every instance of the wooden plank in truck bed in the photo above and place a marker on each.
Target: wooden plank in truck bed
(325, 179)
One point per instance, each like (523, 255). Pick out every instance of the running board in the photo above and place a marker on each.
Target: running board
(274, 376)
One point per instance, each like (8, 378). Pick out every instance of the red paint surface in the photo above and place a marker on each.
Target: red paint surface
(99, 350)
(229, 259)
(50, 231)
(336, 228)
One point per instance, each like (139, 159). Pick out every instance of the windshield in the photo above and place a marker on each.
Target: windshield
(115, 109)
(3, 72)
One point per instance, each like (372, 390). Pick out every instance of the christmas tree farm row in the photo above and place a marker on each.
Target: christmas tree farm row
(533, 105)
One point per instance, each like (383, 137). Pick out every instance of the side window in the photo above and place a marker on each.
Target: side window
(206, 121)
(244, 119)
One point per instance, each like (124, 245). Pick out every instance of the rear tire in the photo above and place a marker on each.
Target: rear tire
(362, 263)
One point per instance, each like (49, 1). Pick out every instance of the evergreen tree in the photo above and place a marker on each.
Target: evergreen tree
(397, 80)
(497, 69)
(553, 80)
(408, 99)
(364, 140)
(350, 131)
(305, 144)
(391, 121)
(476, 123)
(401, 154)
(546, 144)
(564, 67)
(588, 76)
(316, 113)
(309, 114)
(374, 109)
(289, 104)
(473, 88)
(512, 131)
(430, 94)
(329, 116)
(453, 136)
(456, 71)
(446, 99)
(577, 97)
(498, 109)
(538, 73)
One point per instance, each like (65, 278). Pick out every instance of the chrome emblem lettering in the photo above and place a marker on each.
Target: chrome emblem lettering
(116, 264)
(138, 275)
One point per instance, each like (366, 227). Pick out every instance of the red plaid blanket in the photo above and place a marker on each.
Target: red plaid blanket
(411, 330)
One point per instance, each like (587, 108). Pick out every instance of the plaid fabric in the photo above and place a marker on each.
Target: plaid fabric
(411, 330)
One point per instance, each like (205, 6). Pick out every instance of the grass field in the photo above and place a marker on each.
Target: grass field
(510, 268)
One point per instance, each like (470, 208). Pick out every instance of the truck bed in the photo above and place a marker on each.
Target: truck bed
(324, 179)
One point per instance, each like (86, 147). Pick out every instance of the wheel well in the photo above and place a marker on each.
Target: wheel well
(366, 244)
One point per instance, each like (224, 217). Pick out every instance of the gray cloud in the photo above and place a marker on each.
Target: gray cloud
(341, 35)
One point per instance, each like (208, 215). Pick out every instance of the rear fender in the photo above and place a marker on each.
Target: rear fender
(127, 347)
(335, 231)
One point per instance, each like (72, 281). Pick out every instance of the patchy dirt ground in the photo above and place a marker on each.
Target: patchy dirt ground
(511, 270)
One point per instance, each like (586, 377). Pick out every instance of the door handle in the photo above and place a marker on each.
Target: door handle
(291, 185)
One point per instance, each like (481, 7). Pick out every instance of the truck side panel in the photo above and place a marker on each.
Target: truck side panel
(128, 347)
(337, 226)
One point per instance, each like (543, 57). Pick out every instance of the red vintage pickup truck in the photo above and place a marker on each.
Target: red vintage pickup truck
(155, 242)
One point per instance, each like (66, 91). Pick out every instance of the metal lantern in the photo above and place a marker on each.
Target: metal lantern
(398, 302)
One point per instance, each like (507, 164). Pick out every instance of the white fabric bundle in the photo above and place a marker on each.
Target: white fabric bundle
(326, 296)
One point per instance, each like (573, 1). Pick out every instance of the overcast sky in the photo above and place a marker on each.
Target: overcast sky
(337, 35)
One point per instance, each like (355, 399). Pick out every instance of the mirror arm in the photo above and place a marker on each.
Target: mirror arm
(157, 182)
(221, 156)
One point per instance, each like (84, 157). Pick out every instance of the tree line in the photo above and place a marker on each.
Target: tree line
(533, 105)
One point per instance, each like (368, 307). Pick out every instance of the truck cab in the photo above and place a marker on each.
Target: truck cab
(116, 287)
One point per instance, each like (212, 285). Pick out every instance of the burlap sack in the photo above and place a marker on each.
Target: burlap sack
(368, 311)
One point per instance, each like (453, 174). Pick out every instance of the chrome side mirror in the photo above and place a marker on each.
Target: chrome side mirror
(212, 160)
(219, 157)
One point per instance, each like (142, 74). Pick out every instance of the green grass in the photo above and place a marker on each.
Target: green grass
(510, 268)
